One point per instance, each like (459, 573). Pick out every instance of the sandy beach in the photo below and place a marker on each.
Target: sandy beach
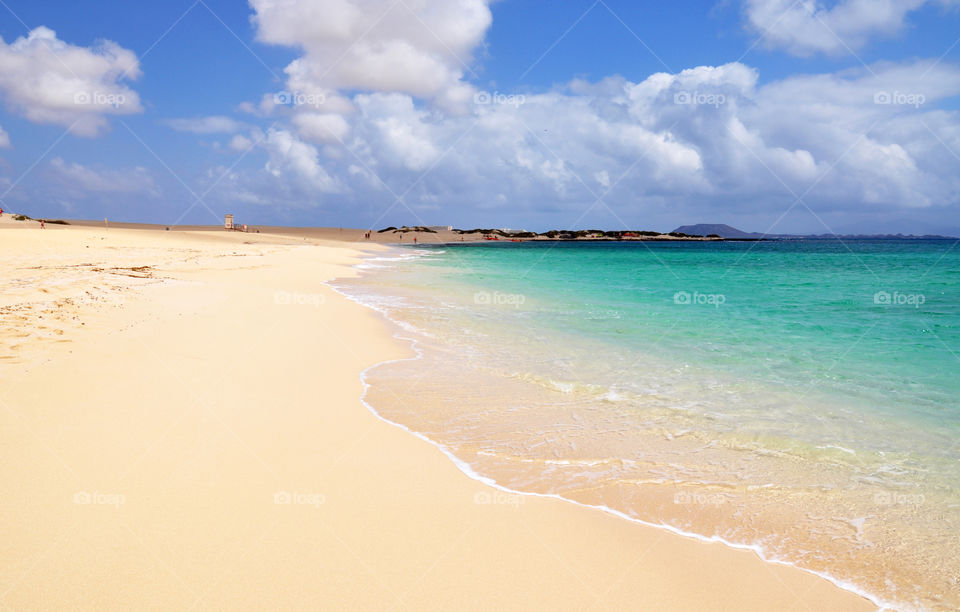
(181, 427)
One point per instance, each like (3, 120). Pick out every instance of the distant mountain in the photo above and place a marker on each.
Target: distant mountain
(720, 229)
(725, 231)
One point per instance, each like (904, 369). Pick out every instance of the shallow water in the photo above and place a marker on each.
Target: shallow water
(797, 397)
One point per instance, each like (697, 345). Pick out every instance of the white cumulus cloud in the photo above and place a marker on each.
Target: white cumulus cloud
(293, 159)
(322, 128)
(806, 27)
(420, 48)
(50, 81)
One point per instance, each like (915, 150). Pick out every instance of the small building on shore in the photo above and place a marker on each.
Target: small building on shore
(228, 222)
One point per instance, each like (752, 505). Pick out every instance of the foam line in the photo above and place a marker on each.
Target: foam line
(471, 473)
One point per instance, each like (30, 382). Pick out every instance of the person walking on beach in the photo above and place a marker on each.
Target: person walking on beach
(41, 224)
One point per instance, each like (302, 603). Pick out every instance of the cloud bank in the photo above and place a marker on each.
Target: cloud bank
(378, 135)
(377, 120)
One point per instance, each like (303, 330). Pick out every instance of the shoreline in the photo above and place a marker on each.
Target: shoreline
(193, 386)
(468, 471)
(490, 482)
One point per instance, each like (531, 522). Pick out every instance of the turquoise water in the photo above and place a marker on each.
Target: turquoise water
(789, 312)
(798, 397)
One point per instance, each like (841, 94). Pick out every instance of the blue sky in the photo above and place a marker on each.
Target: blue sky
(765, 114)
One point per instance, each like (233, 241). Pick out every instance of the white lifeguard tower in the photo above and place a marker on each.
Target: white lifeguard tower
(228, 222)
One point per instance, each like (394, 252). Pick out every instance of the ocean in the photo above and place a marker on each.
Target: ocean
(800, 398)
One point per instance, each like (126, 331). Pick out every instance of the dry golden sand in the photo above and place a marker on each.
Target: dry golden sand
(160, 392)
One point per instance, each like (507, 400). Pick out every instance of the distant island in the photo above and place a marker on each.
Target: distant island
(703, 232)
